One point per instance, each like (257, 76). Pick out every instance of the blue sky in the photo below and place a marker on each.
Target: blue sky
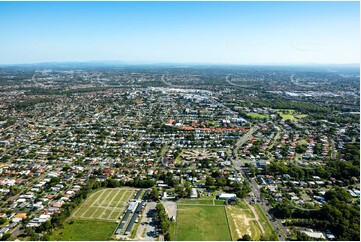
(180, 32)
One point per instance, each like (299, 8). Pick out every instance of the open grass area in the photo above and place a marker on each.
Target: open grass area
(105, 204)
(195, 201)
(84, 230)
(205, 197)
(179, 157)
(290, 114)
(202, 223)
(242, 204)
(290, 111)
(257, 116)
(242, 221)
(172, 230)
(301, 116)
(264, 221)
(219, 202)
(255, 230)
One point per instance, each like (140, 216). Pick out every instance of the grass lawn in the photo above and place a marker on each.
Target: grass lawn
(84, 230)
(257, 116)
(117, 199)
(218, 202)
(302, 142)
(290, 114)
(291, 111)
(207, 197)
(195, 201)
(241, 222)
(242, 204)
(264, 221)
(255, 230)
(172, 230)
(202, 223)
(179, 157)
(104, 204)
(301, 116)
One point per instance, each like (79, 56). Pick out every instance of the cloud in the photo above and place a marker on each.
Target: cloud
(308, 47)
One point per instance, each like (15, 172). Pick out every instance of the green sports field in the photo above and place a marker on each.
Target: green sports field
(84, 230)
(105, 204)
(202, 223)
(257, 116)
(290, 114)
(95, 218)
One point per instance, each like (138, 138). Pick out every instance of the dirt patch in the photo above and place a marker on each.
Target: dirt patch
(241, 221)
(171, 209)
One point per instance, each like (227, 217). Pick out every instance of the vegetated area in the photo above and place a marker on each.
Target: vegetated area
(96, 216)
(290, 114)
(197, 201)
(106, 204)
(84, 230)
(67, 132)
(268, 231)
(257, 116)
(242, 221)
(202, 223)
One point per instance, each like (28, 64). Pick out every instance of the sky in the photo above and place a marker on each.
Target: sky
(180, 32)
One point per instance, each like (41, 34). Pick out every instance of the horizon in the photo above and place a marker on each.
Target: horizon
(135, 63)
(205, 33)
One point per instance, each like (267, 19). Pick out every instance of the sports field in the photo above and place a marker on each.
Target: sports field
(84, 230)
(290, 114)
(197, 222)
(257, 116)
(106, 204)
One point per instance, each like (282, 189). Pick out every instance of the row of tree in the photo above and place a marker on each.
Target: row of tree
(162, 221)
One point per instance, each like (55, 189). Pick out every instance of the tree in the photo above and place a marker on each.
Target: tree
(300, 149)
(245, 237)
(162, 220)
(269, 237)
(252, 169)
(154, 194)
(188, 189)
(209, 181)
(5, 236)
(2, 220)
(221, 181)
(54, 181)
(243, 189)
(339, 194)
(283, 209)
(179, 190)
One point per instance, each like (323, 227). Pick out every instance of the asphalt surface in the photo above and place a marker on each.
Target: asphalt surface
(148, 223)
(276, 223)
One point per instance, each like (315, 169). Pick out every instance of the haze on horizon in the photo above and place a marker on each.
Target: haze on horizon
(181, 32)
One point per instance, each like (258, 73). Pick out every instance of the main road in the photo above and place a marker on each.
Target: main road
(276, 223)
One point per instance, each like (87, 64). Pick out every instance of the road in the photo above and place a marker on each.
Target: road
(166, 83)
(276, 223)
(243, 139)
(234, 84)
(231, 83)
(333, 155)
